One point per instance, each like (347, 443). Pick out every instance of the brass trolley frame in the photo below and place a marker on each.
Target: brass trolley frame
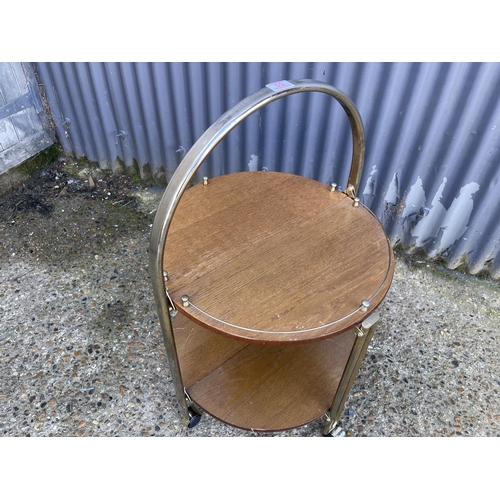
(170, 200)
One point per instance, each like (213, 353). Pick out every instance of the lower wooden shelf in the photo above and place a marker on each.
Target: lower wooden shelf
(257, 386)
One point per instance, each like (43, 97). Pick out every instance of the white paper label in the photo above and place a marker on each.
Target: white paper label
(283, 84)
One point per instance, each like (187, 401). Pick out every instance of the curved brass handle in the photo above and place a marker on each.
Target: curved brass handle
(193, 160)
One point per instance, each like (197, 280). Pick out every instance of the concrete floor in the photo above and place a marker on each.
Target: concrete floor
(81, 352)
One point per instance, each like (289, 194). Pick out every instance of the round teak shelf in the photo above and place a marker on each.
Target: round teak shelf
(275, 258)
(260, 387)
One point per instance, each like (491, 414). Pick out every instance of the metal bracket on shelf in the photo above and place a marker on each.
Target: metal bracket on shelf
(350, 191)
(171, 306)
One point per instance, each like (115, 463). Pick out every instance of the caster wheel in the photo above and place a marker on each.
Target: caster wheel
(337, 432)
(194, 418)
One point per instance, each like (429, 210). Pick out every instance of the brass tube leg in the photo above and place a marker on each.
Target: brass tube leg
(175, 371)
(364, 334)
(162, 306)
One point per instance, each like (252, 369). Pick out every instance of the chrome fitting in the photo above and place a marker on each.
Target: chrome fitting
(185, 300)
(165, 275)
(365, 305)
(356, 202)
(333, 187)
(205, 181)
(338, 432)
(350, 191)
(358, 332)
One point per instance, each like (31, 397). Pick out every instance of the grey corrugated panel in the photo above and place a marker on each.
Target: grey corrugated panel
(83, 109)
(45, 75)
(452, 156)
(432, 134)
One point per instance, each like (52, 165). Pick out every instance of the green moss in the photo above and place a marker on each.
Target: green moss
(146, 172)
(29, 169)
(415, 257)
(134, 170)
(160, 178)
(34, 165)
(142, 176)
(122, 167)
(81, 166)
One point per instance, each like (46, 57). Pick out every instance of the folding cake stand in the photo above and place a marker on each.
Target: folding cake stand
(267, 284)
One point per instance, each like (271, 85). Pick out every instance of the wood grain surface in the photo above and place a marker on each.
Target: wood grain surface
(275, 253)
(260, 387)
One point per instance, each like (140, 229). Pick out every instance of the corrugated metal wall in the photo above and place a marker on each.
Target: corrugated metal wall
(432, 135)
